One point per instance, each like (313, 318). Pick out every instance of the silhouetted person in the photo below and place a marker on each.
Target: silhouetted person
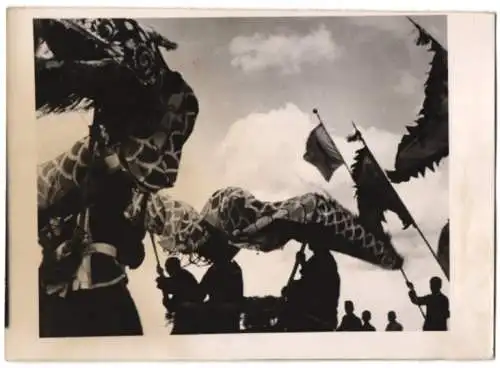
(179, 290)
(288, 310)
(437, 306)
(366, 316)
(393, 325)
(350, 322)
(312, 301)
(93, 298)
(222, 285)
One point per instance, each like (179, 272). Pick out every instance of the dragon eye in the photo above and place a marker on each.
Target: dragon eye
(106, 29)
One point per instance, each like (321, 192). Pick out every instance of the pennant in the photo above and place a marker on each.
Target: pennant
(443, 253)
(322, 152)
(374, 193)
(426, 143)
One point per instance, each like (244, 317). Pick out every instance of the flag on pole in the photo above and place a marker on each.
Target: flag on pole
(322, 152)
(374, 192)
(443, 252)
(426, 143)
(354, 137)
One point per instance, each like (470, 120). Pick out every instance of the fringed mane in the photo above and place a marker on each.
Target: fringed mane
(55, 94)
(93, 60)
(54, 90)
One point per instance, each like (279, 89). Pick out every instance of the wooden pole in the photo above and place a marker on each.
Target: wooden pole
(408, 281)
(153, 243)
(296, 265)
(399, 198)
(420, 28)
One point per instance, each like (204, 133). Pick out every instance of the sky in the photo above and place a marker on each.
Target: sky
(257, 81)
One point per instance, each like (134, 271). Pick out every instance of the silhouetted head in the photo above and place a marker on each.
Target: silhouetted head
(317, 246)
(217, 248)
(349, 306)
(366, 316)
(173, 266)
(435, 284)
(391, 316)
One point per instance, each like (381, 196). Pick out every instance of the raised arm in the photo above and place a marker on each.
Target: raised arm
(413, 295)
(417, 300)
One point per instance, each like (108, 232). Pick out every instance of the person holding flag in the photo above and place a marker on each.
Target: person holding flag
(375, 194)
(436, 303)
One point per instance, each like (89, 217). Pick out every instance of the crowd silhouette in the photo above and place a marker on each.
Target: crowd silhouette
(217, 304)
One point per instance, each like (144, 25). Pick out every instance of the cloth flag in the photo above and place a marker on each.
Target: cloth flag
(426, 143)
(375, 193)
(322, 152)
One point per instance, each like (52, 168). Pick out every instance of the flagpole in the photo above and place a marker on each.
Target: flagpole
(420, 28)
(408, 282)
(357, 132)
(304, 244)
(296, 265)
(315, 112)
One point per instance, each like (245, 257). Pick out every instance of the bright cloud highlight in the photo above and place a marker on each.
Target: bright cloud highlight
(287, 53)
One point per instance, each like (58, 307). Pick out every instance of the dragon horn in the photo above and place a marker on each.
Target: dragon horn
(162, 41)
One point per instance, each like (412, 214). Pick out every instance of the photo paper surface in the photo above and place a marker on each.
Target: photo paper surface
(266, 181)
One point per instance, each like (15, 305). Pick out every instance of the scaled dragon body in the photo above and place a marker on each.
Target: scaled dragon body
(115, 67)
(249, 223)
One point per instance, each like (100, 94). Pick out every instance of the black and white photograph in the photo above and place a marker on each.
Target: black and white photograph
(249, 177)
(320, 173)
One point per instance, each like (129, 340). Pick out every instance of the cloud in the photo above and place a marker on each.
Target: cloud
(407, 84)
(263, 154)
(287, 53)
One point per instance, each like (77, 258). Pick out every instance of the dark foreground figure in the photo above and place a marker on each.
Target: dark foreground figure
(393, 324)
(222, 285)
(216, 303)
(106, 311)
(84, 292)
(366, 316)
(437, 306)
(181, 294)
(312, 301)
(350, 322)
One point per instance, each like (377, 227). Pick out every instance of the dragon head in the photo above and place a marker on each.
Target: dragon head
(123, 40)
(116, 68)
